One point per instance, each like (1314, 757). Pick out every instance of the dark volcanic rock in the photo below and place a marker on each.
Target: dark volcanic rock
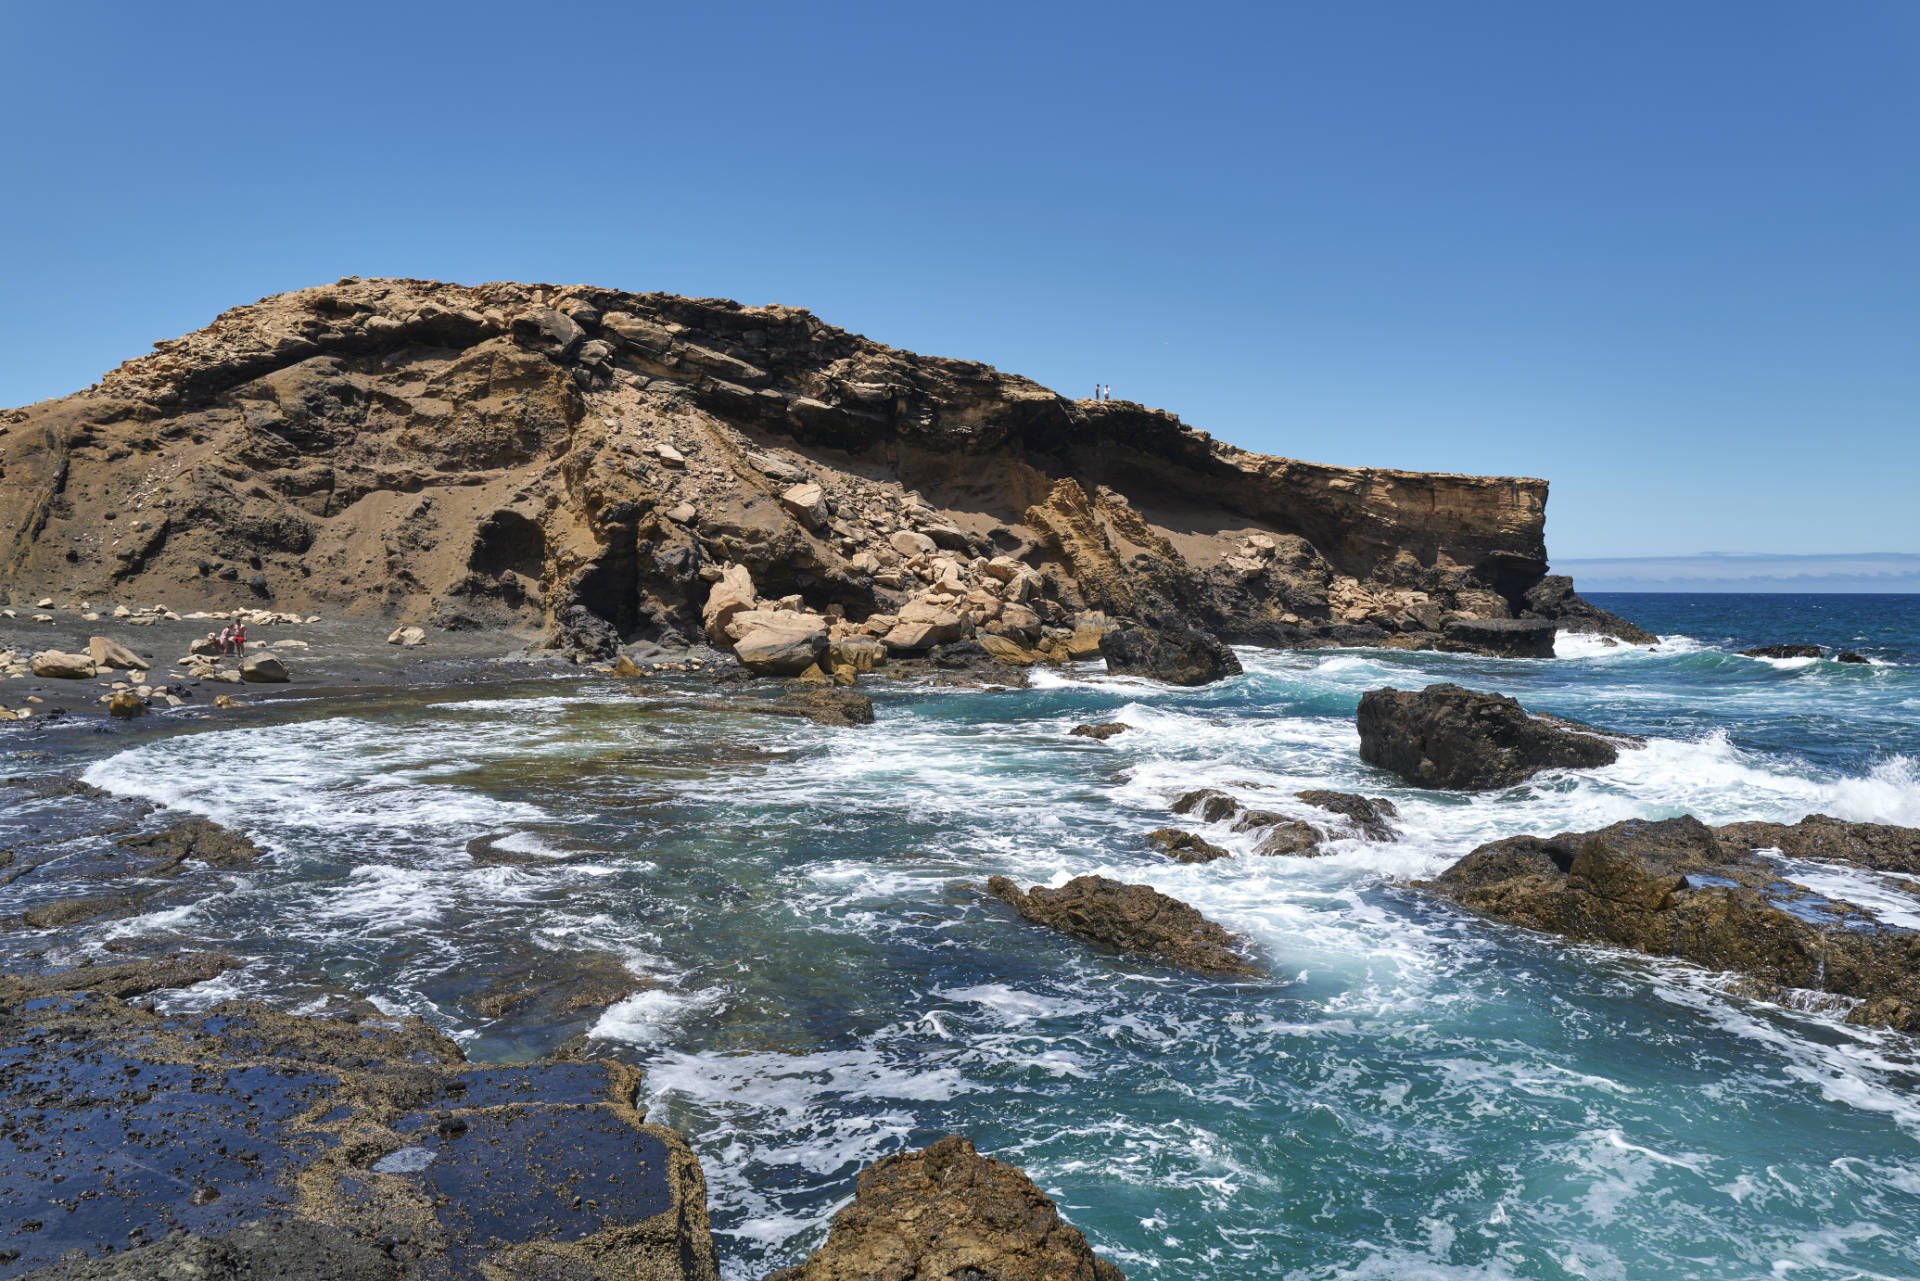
(1369, 813)
(1506, 637)
(950, 1214)
(1553, 598)
(1783, 651)
(1449, 737)
(1677, 887)
(272, 1250)
(1129, 918)
(1185, 847)
(199, 839)
(1849, 656)
(1174, 653)
(1100, 732)
(1209, 803)
(1290, 836)
(199, 1124)
(1879, 846)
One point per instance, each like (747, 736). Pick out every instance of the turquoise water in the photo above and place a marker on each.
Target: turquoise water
(1413, 1094)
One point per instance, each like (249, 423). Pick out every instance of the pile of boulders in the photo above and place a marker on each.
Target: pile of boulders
(956, 598)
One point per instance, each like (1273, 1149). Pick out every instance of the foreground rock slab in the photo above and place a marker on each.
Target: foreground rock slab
(1448, 737)
(1130, 918)
(948, 1213)
(125, 1126)
(1714, 896)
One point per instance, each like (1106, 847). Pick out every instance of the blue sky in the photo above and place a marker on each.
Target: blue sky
(1667, 256)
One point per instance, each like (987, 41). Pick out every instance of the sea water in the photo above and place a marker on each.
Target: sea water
(819, 981)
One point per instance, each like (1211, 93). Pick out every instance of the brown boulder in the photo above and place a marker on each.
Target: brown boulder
(1185, 847)
(56, 665)
(1100, 732)
(110, 653)
(1129, 918)
(1369, 813)
(949, 1214)
(1676, 887)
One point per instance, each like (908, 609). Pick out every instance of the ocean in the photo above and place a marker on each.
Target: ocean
(1414, 1093)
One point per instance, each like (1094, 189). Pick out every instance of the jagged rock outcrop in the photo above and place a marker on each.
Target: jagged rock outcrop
(1553, 598)
(1783, 651)
(946, 1213)
(1173, 652)
(590, 463)
(1448, 737)
(1677, 887)
(1129, 918)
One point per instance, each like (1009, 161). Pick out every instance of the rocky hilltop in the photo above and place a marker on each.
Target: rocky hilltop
(589, 464)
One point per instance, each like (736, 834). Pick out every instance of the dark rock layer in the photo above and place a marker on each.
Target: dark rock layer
(1174, 653)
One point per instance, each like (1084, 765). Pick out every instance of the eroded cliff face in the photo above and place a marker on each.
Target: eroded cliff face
(586, 462)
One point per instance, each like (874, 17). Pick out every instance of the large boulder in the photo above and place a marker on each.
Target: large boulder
(949, 1213)
(732, 594)
(1174, 653)
(56, 665)
(1448, 737)
(1504, 637)
(806, 503)
(781, 649)
(263, 669)
(1129, 918)
(111, 653)
(126, 704)
(1677, 887)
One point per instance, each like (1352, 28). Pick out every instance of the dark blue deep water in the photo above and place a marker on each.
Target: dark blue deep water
(1412, 1094)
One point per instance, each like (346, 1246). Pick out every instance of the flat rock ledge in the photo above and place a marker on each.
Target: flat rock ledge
(1130, 918)
(1463, 740)
(949, 1213)
(1721, 898)
(245, 1143)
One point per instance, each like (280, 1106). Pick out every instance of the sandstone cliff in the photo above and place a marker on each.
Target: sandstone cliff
(587, 463)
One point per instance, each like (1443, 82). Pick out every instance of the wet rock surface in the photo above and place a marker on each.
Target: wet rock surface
(1368, 814)
(1101, 732)
(1174, 653)
(1185, 847)
(1504, 637)
(1448, 737)
(123, 1125)
(1130, 918)
(949, 1213)
(1783, 651)
(1713, 896)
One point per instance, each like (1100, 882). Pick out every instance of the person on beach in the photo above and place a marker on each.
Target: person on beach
(226, 639)
(240, 640)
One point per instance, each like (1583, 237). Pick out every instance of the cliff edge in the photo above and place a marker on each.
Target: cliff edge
(589, 464)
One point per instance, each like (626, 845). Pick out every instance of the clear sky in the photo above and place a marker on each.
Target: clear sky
(1665, 255)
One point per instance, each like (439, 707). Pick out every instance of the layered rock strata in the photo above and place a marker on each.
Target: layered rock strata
(596, 465)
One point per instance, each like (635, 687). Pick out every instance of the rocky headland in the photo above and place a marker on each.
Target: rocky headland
(598, 469)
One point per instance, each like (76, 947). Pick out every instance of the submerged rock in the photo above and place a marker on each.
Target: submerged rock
(1210, 804)
(949, 1214)
(1100, 732)
(1783, 651)
(1290, 836)
(200, 839)
(826, 706)
(1129, 918)
(1368, 813)
(1849, 656)
(1449, 737)
(1677, 887)
(1174, 653)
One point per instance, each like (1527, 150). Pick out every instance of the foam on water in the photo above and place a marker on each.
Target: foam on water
(1410, 1093)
